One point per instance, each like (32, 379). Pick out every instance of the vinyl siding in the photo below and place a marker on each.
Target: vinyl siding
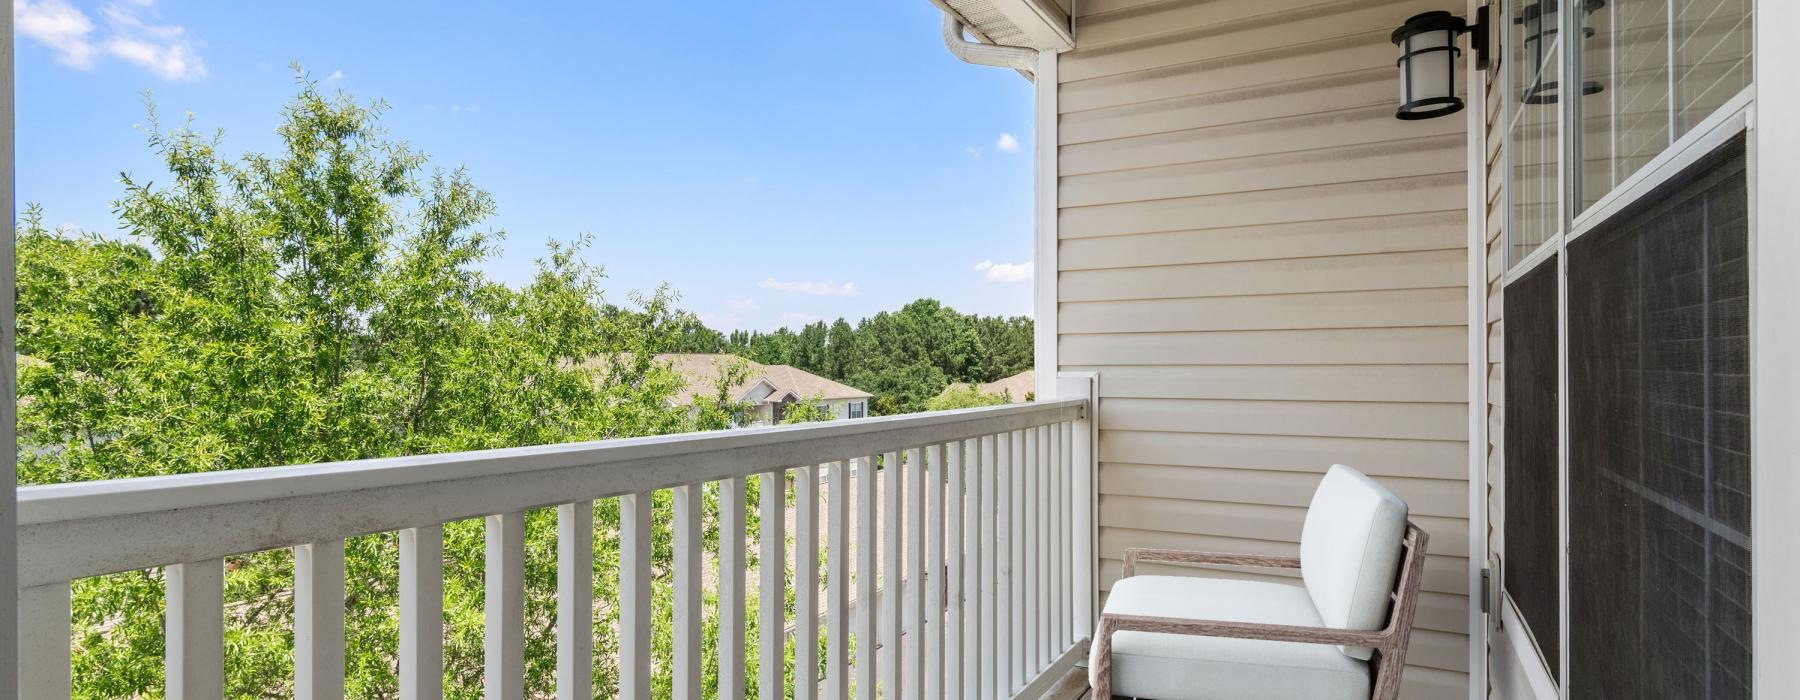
(1268, 272)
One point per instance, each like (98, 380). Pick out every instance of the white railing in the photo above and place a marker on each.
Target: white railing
(996, 501)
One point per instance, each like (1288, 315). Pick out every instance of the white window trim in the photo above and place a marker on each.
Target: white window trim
(1044, 137)
(1476, 81)
(1774, 166)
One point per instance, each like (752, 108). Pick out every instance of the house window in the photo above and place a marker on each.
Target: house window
(855, 409)
(1625, 543)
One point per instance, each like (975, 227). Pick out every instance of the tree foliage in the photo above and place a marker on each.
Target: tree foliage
(324, 303)
(904, 357)
(965, 396)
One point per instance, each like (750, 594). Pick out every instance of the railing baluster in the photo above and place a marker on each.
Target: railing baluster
(932, 621)
(912, 582)
(769, 597)
(806, 583)
(194, 631)
(319, 621)
(503, 648)
(1059, 566)
(44, 635)
(688, 611)
(635, 649)
(980, 585)
(1021, 576)
(837, 581)
(1005, 524)
(422, 613)
(868, 644)
(955, 556)
(1034, 551)
(731, 587)
(893, 573)
(1040, 468)
(575, 601)
(1066, 567)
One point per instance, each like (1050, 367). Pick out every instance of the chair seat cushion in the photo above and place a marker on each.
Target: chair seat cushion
(1184, 667)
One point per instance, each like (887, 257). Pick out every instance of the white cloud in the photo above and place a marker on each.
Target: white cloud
(796, 318)
(828, 288)
(741, 304)
(335, 76)
(165, 50)
(1004, 272)
(55, 24)
(972, 152)
(1007, 143)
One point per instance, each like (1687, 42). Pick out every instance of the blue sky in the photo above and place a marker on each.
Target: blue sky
(774, 162)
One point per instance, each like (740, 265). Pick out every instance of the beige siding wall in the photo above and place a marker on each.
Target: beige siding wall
(1268, 272)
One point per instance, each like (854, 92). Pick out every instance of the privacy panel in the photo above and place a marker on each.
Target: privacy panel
(1659, 463)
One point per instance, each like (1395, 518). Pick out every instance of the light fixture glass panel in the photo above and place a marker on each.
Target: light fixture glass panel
(1431, 72)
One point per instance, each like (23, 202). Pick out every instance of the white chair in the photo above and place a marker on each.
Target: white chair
(1342, 634)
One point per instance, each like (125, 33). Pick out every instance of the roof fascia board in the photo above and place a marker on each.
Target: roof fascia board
(1043, 21)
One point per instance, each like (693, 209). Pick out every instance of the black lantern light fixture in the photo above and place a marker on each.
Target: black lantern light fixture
(1541, 24)
(1428, 54)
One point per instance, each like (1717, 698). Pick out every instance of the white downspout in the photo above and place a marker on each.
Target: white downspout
(1017, 58)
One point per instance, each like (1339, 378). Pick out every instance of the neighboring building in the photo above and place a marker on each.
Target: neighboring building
(769, 389)
(1019, 388)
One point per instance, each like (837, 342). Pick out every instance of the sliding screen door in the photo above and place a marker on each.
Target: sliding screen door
(1659, 435)
(1533, 515)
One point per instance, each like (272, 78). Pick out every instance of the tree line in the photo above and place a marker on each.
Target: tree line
(905, 358)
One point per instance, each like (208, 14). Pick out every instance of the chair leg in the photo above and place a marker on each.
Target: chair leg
(1387, 677)
(1103, 660)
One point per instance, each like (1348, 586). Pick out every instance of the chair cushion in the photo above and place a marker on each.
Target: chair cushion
(1350, 551)
(1183, 667)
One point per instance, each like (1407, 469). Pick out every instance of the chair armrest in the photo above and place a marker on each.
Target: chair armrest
(1133, 555)
(1111, 623)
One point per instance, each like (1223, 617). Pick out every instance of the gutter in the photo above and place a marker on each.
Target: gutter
(1021, 59)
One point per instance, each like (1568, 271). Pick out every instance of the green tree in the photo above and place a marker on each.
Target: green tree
(321, 303)
(964, 396)
(808, 410)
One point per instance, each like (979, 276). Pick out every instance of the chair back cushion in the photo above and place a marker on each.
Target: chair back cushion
(1350, 551)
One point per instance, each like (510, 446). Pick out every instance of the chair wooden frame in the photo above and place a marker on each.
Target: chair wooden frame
(1389, 642)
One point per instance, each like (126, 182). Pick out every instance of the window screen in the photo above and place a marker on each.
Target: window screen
(1659, 463)
(1533, 506)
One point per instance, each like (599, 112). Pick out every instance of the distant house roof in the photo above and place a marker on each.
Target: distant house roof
(1019, 387)
(703, 370)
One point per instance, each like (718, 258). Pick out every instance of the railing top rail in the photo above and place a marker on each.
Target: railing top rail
(69, 531)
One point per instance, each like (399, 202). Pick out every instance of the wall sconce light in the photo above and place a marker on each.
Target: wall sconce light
(1428, 54)
(1541, 25)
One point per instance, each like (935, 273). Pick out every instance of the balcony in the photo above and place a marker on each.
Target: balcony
(983, 530)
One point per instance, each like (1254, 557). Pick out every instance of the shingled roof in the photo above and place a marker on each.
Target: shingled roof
(702, 372)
